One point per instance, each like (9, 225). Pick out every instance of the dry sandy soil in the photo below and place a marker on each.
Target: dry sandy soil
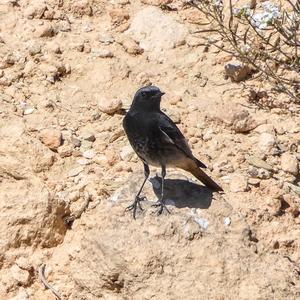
(68, 71)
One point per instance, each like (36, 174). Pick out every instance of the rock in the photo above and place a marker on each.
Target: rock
(259, 163)
(53, 47)
(24, 264)
(118, 16)
(22, 295)
(102, 53)
(20, 276)
(88, 28)
(243, 122)
(273, 205)
(45, 30)
(34, 47)
(28, 110)
(157, 2)
(5, 81)
(76, 171)
(36, 218)
(85, 145)
(51, 14)
(43, 160)
(191, 229)
(101, 160)
(289, 163)
(131, 46)
(63, 26)
(238, 183)
(88, 136)
(126, 153)
(195, 41)
(81, 7)
(237, 71)
(74, 196)
(268, 128)
(83, 161)
(142, 78)
(110, 106)
(106, 38)
(266, 142)
(75, 141)
(175, 116)
(254, 181)
(54, 71)
(89, 154)
(158, 33)
(174, 99)
(294, 188)
(227, 221)
(263, 174)
(77, 46)
(52, 138)
(65, 150)
(36, 10)
(259, 173)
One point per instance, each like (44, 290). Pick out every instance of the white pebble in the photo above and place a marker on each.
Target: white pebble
(89, 154)
(227, 221)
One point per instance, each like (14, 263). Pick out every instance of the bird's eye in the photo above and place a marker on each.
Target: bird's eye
(144, 94)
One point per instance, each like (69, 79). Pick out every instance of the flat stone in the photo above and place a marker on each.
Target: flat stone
(76, 171)
(238, 183)
(289, 163)
(51, 138)
(259, 163)
(89, 154)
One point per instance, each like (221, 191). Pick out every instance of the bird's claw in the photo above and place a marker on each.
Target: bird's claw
(162, 207)
(136, 204)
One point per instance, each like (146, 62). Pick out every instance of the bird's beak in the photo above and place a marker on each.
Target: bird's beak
(161, 94)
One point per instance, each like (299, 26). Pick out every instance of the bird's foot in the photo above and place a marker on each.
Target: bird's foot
(162, 207)
(136, 204)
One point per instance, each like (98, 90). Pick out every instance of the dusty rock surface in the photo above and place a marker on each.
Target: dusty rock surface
(68, 71)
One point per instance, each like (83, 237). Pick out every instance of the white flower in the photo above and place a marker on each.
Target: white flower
(218, 3)
(243, 11)
(245, 49)
(263, 19)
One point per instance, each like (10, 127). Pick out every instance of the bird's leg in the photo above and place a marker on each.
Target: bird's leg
(161, 200)
(136, 203)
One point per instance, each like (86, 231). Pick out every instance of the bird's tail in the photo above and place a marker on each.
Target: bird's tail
(203, 177)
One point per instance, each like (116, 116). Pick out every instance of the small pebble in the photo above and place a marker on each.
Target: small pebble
(227, 221)
(76, 171)
(83, 161)
(52, 138)
(110, 106)
(102, 53)
(203, 223)
(89, 154)
(28, 110)
(75, 141)
(106, 38)
(88, 136)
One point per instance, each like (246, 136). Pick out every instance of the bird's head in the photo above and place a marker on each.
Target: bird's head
(147, 98)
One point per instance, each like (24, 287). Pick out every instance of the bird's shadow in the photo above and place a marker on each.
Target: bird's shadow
(183, 193)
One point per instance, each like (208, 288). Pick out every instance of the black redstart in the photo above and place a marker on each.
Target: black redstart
(157, 141)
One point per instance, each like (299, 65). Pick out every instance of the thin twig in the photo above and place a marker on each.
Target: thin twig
(264, 49)
(41, 274)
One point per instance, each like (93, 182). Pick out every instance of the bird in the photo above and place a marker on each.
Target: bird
(158, 142)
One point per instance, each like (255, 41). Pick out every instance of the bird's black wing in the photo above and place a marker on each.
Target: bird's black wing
(173, 135)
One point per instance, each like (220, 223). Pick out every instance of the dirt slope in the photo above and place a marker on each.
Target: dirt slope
(68, 70)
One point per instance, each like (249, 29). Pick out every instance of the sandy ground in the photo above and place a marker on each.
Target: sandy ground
(68, 72)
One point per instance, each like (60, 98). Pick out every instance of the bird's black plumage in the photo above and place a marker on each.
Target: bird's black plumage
(158, 141)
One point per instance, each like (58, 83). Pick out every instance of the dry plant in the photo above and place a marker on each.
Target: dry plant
(266, 38)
